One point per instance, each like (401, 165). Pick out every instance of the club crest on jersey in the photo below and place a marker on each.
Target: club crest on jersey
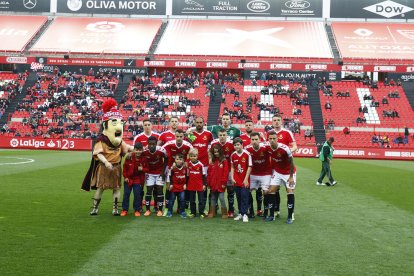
(278, 154)
(205, 138)
(280, 136)
(243, 159)
(261, 154)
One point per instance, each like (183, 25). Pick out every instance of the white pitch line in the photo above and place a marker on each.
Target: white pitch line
(28, 160)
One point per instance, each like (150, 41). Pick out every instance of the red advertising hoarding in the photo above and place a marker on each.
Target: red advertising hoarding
(398, 153)
(46, 144)
(303, 151)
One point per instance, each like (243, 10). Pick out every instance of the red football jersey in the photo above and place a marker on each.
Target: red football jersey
(172, 150)
(246, 139)
(155, 160)
(280, 158)
(201, 142)
(166, 136)
(240, 162)
(195, 174)
(228, 148)
(284, 136)
(177, 178)
(131, 172)
(260, 160)
(143, 138)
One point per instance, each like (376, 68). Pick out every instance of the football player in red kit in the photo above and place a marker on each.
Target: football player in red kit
(143, 137)
(286, 137)
(173, 148)
(284, 173)
(169, 135)
(248, 128)
(261, 171)
(201, 139)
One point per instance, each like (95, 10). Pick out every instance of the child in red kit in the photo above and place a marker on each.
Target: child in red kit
(196, 184)
(241, 166)
(176, 184)
(217, 177)
(134, 171)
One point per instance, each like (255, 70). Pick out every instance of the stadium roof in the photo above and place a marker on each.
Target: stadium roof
(245, 39)
(17, 31)
(98, 35)
(375, 40)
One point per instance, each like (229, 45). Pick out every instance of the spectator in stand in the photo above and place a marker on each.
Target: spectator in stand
(328, 105)
(346, 131)
(385, 101)
(375, 139)
(385, 141)
(308, 134)
(5, 129)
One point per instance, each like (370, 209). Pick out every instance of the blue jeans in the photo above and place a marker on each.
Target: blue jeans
(201, 202)
(242, 195)
(137, 196)
(181, 201)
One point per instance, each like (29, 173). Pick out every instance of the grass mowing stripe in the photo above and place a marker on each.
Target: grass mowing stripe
(401, 165)
(391, 184)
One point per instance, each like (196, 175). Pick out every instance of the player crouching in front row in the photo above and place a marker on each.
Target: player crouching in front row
(241, 166)
(176, 184)
(284, 172)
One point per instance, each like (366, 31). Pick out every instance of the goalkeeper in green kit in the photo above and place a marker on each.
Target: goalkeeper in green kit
(232, 132)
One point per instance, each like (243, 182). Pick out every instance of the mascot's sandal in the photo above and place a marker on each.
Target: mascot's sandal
(105, 169)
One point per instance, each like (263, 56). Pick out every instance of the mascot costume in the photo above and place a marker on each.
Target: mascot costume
(105, 170)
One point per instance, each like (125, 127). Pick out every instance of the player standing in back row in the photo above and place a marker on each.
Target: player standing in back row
(143, 137)
(232, 131)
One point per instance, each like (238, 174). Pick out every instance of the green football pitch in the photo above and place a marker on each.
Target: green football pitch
(362, 226)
